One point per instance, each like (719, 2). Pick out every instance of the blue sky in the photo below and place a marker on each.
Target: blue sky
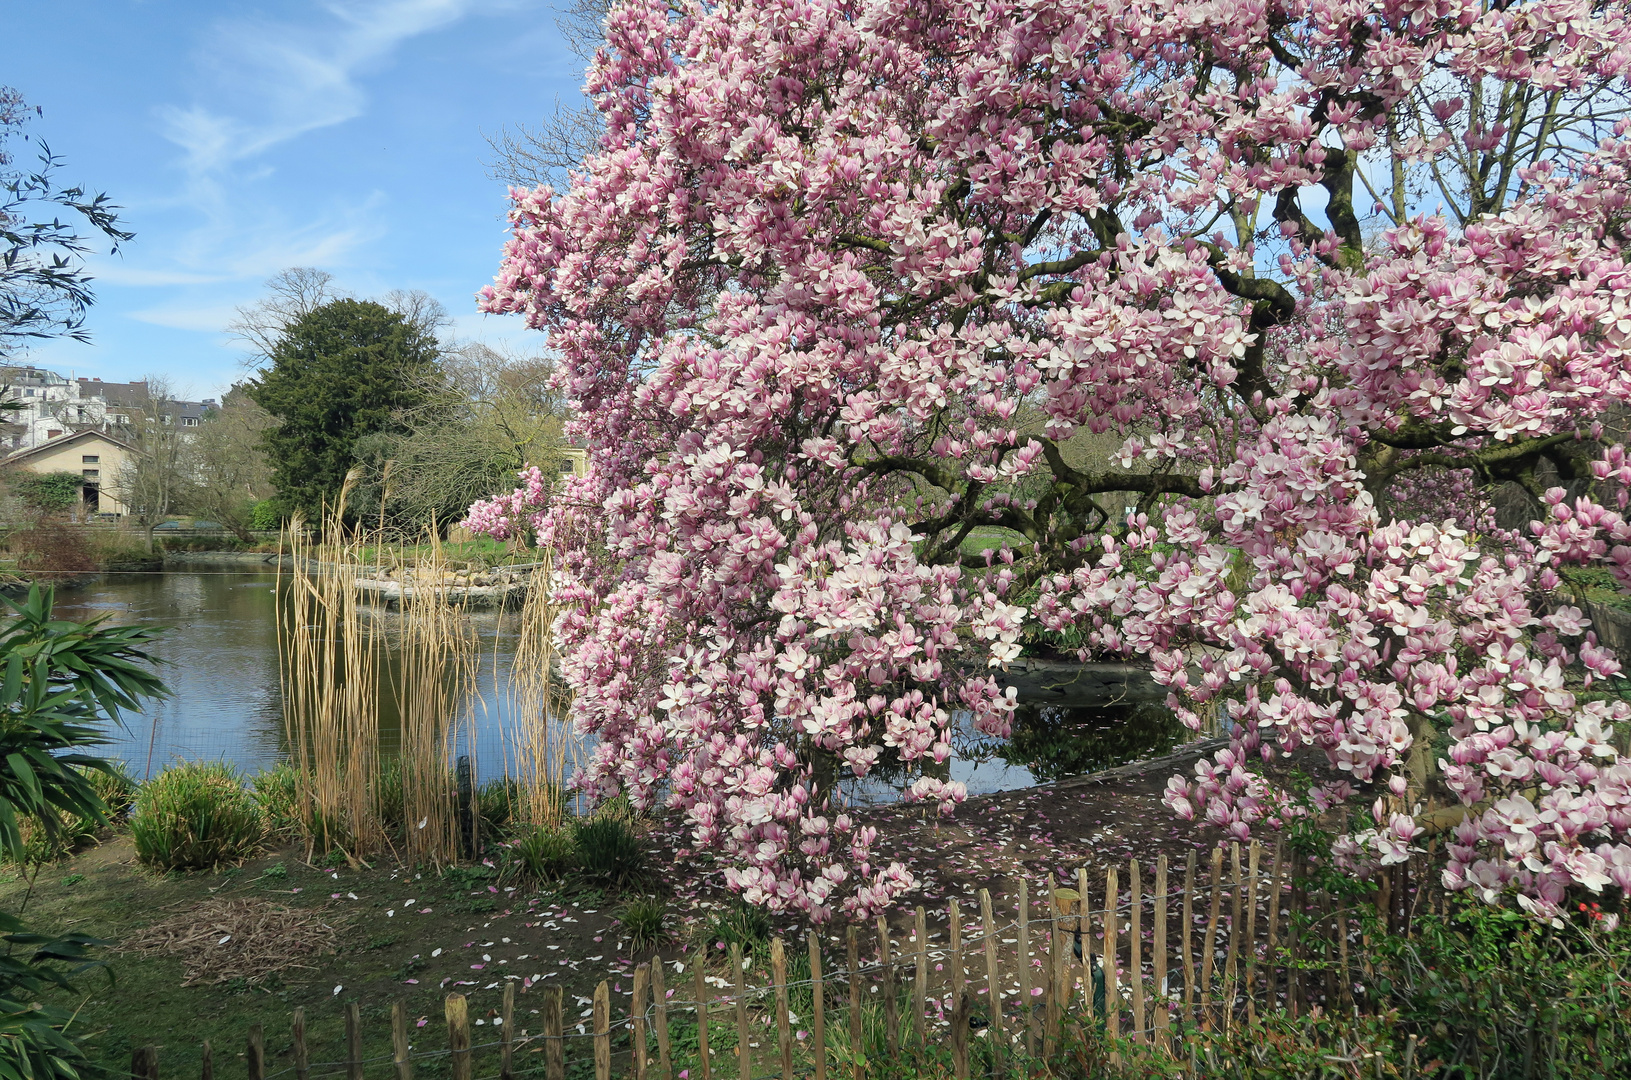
(243, 138)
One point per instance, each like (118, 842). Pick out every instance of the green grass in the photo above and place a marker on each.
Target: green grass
(196, 816)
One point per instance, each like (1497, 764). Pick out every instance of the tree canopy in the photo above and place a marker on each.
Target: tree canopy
(843, 280)
(44, 289)
(338, 372)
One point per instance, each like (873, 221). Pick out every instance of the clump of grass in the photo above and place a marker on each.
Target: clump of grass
(643, 920)
(388, 796)
(277, 791)
(196, 817)
(740, 924)
(609, 850)
(546, 852)
(498, 801)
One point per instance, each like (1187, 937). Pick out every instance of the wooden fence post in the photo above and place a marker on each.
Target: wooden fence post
(297, 1036)
(744, 1054)
(506, 1069)
(206, 1062)
(993, 982)
(458, 1035)
(784, 1031)
(920, 977)
(255, 1053)
(1210, 939)
(891, 1016)
(957, 983)
(959, 1036)
(353, 1041)
(704, 1065)
(1112, 991)
(1161, 1032)
(1050, 975)
(144, 1063)
(1135, 949)
(1229, 963)
(399, 1042)
(1084, 941)
(1270, 982)
(637, 1020)
(602, 1017)
(1025, 1005)
(856, 1040)
(818, 1008)
(1187, 938)
(659, 998)
(1249, 976)
(554, 1034)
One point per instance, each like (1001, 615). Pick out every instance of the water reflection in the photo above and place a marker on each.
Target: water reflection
(220, 654)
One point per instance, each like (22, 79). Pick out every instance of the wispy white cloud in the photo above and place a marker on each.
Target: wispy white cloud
(208, 318)
(275, 81)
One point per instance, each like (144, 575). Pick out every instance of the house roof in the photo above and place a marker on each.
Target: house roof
(88, 435)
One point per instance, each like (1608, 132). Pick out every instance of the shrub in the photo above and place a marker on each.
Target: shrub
(51, 492)
(608, 849)
(546, 852)
(266, 515)
(196, 817)
(642, 920)
(277, 792)
(116, 789)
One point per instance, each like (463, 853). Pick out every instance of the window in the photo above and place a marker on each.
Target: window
(90, 459)
(91, 474)
(191, 421)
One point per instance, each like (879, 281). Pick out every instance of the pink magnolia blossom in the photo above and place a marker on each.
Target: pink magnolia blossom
(845, 280)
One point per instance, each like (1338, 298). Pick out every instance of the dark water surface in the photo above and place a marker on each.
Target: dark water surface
(221, 662)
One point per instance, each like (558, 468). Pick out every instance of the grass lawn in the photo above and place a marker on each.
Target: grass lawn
(464, 931)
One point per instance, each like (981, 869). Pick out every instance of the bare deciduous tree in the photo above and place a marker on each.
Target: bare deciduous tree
(153, 483)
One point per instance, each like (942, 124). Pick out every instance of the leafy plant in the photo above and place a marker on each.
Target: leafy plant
(196, 816)
(643, 920)
(50, 492)
(545, 852)
(277, 791)
(608, 849)
(739, 924)
(62, 681)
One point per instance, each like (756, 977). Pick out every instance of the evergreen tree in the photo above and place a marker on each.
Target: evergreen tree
(339, 372)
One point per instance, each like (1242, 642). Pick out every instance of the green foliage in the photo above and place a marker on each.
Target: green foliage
(62, 681)
(609, 850)
(45, 290)
(643, 919)
(1490, 992)
(740, 924)
(277, 792)
(51, 492)
(496, 801)
(196, 816)
(44, 844)
(546, 852)
(267, 515)
(342, 371)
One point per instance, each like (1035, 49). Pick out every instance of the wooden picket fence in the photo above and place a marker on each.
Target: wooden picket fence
(1240, 937)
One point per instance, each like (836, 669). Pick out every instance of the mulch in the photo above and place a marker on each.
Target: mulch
(222, 940)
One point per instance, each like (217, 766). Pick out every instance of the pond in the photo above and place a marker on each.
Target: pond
(221, 663)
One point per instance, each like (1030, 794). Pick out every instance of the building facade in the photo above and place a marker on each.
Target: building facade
(49, 406)
(95, 456)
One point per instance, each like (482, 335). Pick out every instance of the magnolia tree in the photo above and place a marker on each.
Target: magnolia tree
(846, 282)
